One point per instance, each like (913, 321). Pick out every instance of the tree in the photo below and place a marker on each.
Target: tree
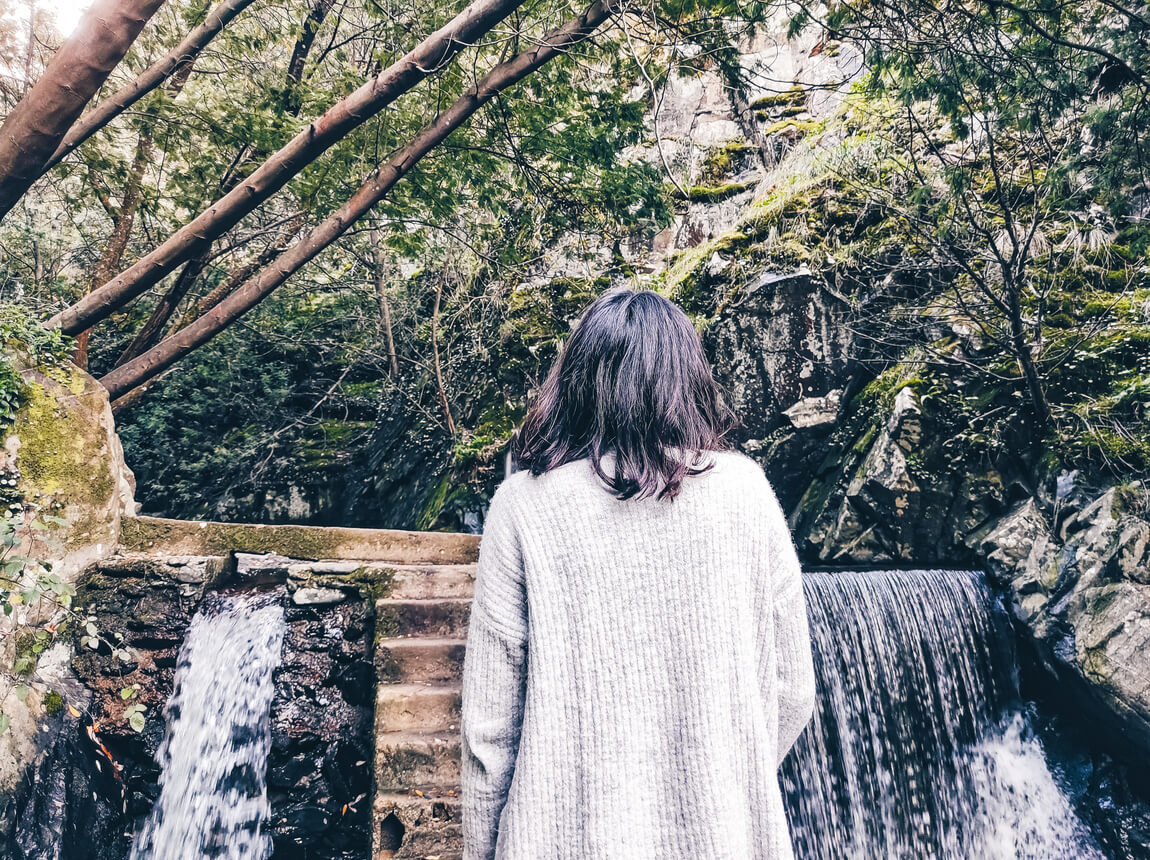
(990, 148)
(372, 191)
(175, 63)
(343, 117)
(35, 127)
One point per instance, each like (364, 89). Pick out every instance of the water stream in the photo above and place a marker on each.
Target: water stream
(213, 759)
(920, 747)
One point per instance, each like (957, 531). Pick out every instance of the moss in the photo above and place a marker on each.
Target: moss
(372, 583)
(794, 95)
(62, 454)
(794, 128)
(1132, 498)
(142, 534)
(435, 503)
(720, 162)
(327, 440)
(715, 193)
(862, 445)
(53, 703)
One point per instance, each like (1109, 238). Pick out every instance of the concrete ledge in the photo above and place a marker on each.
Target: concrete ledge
(154, 535)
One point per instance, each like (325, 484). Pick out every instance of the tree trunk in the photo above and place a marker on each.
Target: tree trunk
(347, 114)
(1025, 359)
(240, 274)
(379, 264)
(35, 127)
(122, 223)
(178, 60)
(170, 350)
(291, 99)
(443, 404)
(151, 330)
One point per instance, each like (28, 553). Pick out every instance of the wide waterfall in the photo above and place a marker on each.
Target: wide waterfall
(920, 747)
(213, 791)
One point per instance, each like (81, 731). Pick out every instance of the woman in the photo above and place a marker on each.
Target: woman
(638, 662)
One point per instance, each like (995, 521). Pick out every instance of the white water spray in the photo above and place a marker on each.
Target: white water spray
(920, 748)
(213, 792)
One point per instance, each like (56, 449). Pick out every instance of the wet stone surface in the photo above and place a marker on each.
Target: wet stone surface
(319, 771)
(98, 781)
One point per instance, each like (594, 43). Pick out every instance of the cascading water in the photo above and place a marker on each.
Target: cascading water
(919, 748)
(213, 792)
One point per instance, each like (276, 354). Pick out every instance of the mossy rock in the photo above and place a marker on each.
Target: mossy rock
(716, 193)
(71, 465)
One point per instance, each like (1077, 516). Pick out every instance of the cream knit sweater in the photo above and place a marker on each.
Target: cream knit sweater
(635, 671)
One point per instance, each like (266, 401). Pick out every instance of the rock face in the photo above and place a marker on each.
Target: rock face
(103, 769)
(872, 499)
(63, 466)
(1083, 592)
(780, 343)
(64, 448)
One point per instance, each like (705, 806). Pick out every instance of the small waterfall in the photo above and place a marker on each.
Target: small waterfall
(213, 792)
(920, 747)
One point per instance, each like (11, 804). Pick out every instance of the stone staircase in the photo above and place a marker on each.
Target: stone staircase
(421, 626)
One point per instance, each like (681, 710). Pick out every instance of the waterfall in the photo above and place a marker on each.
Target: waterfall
(213, 791)
(920, 746)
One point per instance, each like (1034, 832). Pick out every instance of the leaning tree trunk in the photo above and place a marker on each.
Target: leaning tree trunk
(349, 113)
(380, 273)
(35, 127)
(176, 61)
(375, 188)
(151, 332)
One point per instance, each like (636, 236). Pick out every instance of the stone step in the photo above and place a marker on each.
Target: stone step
(418, 660)
(417, 760)
(442, 618)
(417, 708)
(418, 827)
(430, 581)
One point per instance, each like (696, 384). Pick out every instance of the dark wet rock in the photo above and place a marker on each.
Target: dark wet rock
(1084, 598)
(320, 763)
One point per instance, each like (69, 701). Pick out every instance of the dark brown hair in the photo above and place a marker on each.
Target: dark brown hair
(632, 381)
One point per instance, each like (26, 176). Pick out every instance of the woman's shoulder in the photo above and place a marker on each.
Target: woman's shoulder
(731, 469)
(734, 465)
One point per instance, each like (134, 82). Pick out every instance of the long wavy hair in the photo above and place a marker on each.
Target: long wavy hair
(632, 382)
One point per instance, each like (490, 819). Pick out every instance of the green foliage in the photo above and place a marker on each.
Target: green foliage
(39, 347)
(33, 597)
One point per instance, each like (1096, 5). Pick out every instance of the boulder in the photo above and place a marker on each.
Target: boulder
(1083, 596)
(64, 448)
(64, 469)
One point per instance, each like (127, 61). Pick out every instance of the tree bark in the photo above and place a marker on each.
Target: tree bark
(1022, 354)
(151, 330)
(378, 264)
(375, 188)
(35, 127)
(291, 99)
(443, 404)
(122, 223)
(179, 59)
(349, 113)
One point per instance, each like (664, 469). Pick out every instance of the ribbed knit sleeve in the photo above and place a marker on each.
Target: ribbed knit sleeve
(494, 680)
(795, 670)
